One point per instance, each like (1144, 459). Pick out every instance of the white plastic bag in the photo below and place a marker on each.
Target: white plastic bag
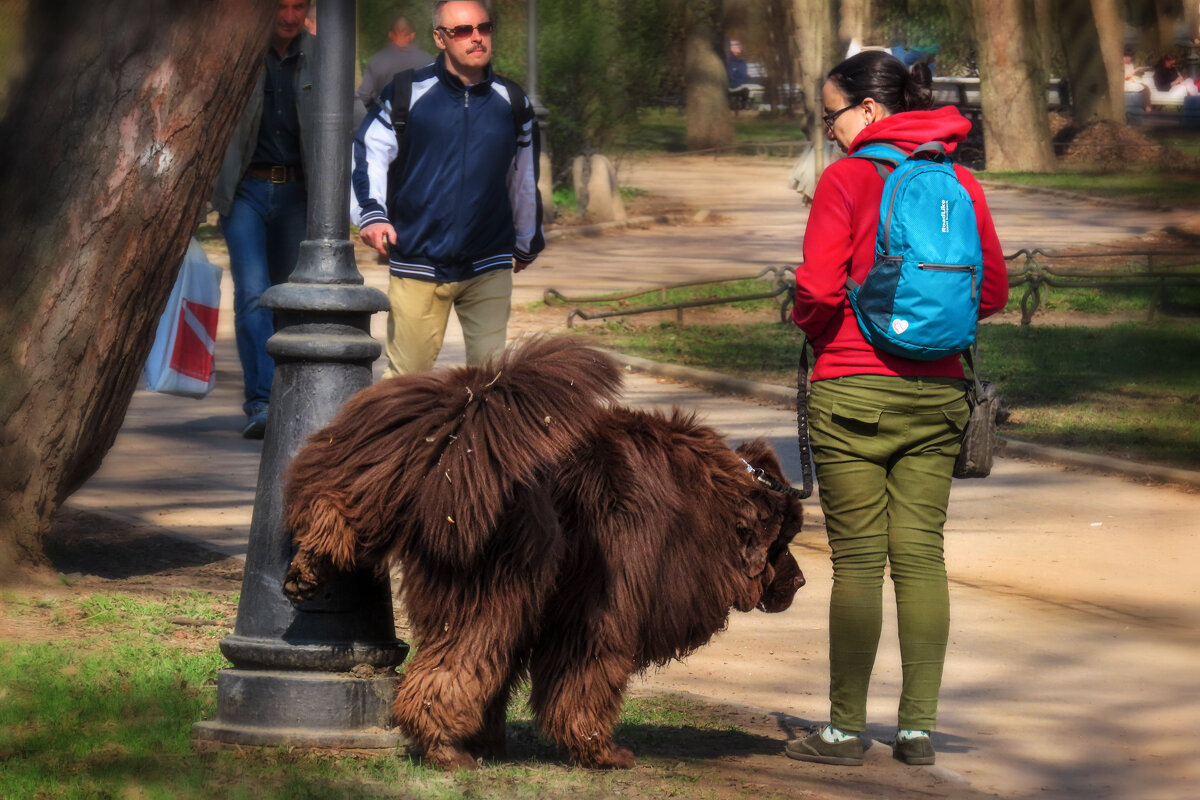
(181, 361)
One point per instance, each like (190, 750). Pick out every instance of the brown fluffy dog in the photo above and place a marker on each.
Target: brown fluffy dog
(542, 532)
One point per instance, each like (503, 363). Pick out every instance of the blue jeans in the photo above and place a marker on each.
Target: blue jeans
(263, 231)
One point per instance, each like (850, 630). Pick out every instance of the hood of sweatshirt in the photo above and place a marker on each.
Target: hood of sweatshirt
(911, 129)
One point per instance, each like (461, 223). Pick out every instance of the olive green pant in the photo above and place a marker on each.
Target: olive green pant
(884, 450)
(419, 312)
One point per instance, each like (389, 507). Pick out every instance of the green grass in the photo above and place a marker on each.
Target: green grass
(684, 294)
(1129, 390)
(1150, 186)
(1183, 139)
(1180, 300)
(566, 201)
(665, 130)
(104, 708)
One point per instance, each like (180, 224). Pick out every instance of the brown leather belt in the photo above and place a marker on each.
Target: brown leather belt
(276, 174)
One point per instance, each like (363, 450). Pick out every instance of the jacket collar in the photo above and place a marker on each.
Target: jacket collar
(452, 80)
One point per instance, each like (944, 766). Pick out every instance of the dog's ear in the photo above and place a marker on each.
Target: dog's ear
(756, 531)
(754, 555)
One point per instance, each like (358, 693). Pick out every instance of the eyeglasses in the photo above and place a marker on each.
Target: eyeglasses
(463, 31)
(829, 118)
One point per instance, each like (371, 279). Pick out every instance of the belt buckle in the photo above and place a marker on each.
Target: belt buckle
(279, 174)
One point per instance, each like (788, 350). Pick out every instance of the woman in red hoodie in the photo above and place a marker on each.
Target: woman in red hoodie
(885, 429)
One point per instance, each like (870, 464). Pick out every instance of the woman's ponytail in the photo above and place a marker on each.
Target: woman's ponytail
(883, 77)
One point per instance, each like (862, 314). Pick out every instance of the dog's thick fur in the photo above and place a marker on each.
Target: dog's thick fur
(541, 531)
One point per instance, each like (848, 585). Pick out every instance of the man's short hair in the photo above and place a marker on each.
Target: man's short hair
(401, 26)
(437, 10)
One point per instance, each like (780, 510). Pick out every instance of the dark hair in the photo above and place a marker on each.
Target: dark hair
(884, 78)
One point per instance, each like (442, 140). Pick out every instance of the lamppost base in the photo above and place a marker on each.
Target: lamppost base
(318, 710)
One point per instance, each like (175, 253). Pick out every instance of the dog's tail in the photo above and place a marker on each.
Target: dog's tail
(439, 454)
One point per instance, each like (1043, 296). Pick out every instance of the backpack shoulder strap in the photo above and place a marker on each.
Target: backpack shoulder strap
(521, 110)
(934, 151)
(401, 100)
(885, 157)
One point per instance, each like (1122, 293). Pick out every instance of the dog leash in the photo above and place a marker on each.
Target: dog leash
(802, 437)
(772, 484)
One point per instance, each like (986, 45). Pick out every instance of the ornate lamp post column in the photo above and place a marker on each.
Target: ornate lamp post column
(290, 683)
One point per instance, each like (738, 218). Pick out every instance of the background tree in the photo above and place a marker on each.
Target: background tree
(817, 52)
(115, 124)
(1016, 126)
(1092, 61)
(854, 23)
(709, 120)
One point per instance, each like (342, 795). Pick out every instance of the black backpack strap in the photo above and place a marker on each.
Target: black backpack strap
(522, 110)
(401, 100)
(802, 436)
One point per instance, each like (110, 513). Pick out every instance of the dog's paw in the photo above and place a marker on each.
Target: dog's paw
(304, 578)
(613, 758)
(449, 757)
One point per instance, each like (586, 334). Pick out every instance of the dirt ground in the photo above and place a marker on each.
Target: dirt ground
(736, 755)
(1087, 586)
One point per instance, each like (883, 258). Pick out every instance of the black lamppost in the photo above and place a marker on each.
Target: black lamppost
(291, 681)
(531, 89)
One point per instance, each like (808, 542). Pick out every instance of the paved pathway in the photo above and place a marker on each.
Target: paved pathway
(1076, 603)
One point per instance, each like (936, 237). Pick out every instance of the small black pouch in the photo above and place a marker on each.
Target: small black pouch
(979, 438)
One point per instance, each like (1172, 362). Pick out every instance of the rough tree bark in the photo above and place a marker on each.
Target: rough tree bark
(1111, 28)
(111, 142)
(1090, 33)
(816, 48)
(709, 120)
(1016, 125)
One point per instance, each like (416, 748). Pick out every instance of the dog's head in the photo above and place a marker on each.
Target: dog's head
(772, 521)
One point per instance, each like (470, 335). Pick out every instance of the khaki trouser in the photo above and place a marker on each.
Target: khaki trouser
(420, 310)
(884, 449)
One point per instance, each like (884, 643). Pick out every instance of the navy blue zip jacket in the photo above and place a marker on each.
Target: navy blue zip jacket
(466, 199)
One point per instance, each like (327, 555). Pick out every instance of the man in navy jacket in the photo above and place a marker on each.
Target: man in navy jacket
(462, 213)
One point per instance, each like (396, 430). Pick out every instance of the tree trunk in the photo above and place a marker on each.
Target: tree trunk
(854, 23)
(1016, 126)
(709, 120)
(1087, 57)
(817, 53)
(1111, 29)
(112, 138)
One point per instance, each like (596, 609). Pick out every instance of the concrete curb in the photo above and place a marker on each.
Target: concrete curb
(720, 383)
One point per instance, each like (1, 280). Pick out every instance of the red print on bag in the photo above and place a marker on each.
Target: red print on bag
(194, 340)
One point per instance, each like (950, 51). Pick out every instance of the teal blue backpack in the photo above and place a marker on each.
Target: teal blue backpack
(921, 298)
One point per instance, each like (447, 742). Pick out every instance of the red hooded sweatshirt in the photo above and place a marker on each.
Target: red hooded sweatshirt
(840, 240)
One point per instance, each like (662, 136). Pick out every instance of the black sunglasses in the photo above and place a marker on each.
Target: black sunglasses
(463, 31)
(829, 118)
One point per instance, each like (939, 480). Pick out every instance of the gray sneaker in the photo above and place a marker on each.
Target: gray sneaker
(256, 425)
(917, 752)
(813, 748)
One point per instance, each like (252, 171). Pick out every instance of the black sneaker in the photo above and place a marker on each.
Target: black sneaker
(917, 752)
(848, 753)
(256, 426)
